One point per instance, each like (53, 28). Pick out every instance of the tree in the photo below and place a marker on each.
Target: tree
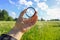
(42, 19)
(15, 19)
(9, 18)
(4, 15)
(0, 15)
(54, 20)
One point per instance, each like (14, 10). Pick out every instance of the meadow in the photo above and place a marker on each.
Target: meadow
(42, 30)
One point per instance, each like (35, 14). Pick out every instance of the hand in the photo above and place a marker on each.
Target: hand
(22, 25)
(25, 24)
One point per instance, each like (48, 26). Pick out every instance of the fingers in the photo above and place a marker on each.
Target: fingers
(31, 20)
(28, 24)
(35, 13)
(21, 15)
(23, 12)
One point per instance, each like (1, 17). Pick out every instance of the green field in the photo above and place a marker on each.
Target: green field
(41, 30)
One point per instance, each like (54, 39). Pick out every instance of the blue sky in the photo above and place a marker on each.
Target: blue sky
(47, 9)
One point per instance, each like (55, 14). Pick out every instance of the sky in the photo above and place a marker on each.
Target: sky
(47, 9)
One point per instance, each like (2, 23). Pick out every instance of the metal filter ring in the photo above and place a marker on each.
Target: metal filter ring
(33, 9)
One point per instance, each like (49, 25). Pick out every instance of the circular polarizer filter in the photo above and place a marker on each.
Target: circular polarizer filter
(29, 13)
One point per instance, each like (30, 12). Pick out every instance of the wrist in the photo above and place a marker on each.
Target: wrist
(16, 33)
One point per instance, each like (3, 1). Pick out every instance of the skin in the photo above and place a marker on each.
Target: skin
(22, 25)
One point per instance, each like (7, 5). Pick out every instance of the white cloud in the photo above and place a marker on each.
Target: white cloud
(30, 11)
(37, 1)
(36, 9)
(11, 2)
(24, 2)
(58, 2)
(29, 3)
(13, 14)
(54, 13)
(42, 5)
(21, 2)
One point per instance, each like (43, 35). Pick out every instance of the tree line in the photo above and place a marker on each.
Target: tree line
(49, 20)
(4, 16)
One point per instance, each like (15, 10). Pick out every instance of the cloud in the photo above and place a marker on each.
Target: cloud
(13, 14)
(37, 1)
(58, 2)
(24, 2)
(53, 13)
(42, 5)
(30, 11)
(36, 9)
(10, 1)
(29, 3)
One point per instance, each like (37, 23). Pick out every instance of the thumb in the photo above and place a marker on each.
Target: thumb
(31, 20)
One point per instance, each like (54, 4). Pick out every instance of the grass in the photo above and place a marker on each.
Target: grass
(41, 31)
